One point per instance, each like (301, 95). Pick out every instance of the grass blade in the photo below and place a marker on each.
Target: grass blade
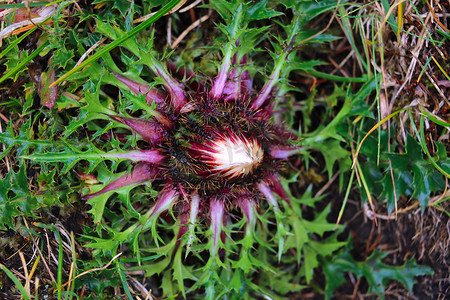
(17, 5)
(434, 118)
(16, 42)
(16, 281)
(24, 62)
(372, 130)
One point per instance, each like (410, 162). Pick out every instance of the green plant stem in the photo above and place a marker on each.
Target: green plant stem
(60, 263)
(347, 193)
(337, 78)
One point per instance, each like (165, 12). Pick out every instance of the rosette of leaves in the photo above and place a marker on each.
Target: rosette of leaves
(190, 166)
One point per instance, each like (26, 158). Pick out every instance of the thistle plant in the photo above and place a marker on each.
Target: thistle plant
(207, 150)
(214, 147)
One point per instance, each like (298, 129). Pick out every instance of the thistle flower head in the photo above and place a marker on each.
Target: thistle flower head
(232, 155)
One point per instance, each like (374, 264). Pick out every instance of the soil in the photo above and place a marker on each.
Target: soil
(425, 237)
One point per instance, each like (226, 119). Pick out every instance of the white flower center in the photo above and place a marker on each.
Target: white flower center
(235, 156)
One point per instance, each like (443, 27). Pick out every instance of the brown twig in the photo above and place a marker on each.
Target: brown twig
(191, 27)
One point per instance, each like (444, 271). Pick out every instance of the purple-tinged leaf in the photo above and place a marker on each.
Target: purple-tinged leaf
(150, 131)
(246, 80)
(248, 208)
(266, 191)
(231, 89)
(140, 174)
(275, 186)
(94, 156)
(148, 156)
(183, 219)
(237, 86)
(218, 85)
(165, 200)
(193, 213)
(283, 152)
(142, 89)
(266, 92)
(281, 230)
(265, 112)
(189, 77)
(216, 213)
(175, 89)
(278, 188)
(182, 192)
(48, 94)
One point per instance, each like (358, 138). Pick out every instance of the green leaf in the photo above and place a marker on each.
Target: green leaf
(122, 5)
(15, 198)
(312, 8)
(93, 110)
(181, 272)
(339, 154)
(393, 188)
(414, 175)
(299, 238)
(413, 153)
(312, 39)
(373, 269)
(259, 11)
(69, 158)
(311, 262)
(156, 267)
(20, 182)
(282, 286)
(98, 205)
(62, 56)
(328, 246)
(106, 245)
(307, 197)
(347, 110)
(426, 180)
(23, 140)
(18, 67)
